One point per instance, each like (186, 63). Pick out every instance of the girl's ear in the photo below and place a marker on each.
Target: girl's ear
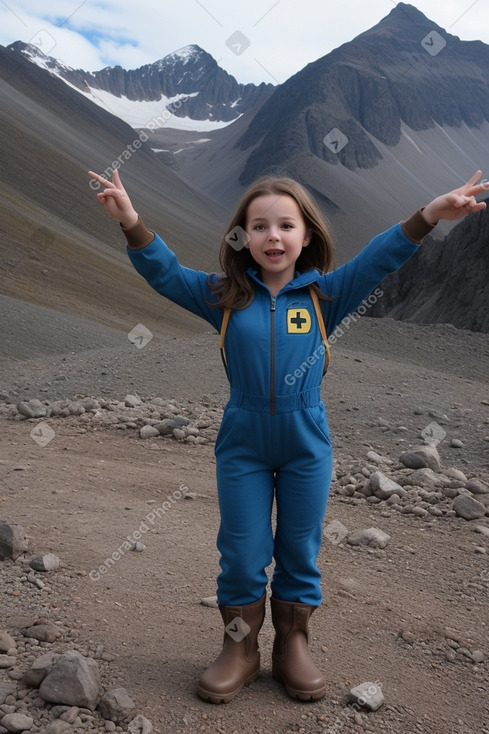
(307, 238)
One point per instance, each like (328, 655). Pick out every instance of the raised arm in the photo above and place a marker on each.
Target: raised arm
(457, 203)
(115, 200)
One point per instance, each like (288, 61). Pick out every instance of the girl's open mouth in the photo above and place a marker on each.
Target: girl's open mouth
(274, 254)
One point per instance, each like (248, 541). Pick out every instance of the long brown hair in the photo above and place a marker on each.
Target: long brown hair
(234, 288)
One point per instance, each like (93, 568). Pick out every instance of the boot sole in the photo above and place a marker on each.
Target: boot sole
(225, 697)
(302, 695)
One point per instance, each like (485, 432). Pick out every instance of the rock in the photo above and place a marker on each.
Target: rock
(179, 434)
(426, 477)
(140, 725)
(6, 689)
(76, 408)
(17, 722)
(456, 474)
(149, 432)
(39, 669)
(165, 428)
(456, 443)
(12, 540)
(42, 632)
(116, 705)
(478, 656)
(372, 537)
(138, 547)
(32, 409)
(469, 508)
(477, 487)
(369, 695)
(378, 459)
(132, 401)
(74, 680)
(7, 661)
(210, 601)
(427, 454)
(6, 642)
(58, 727)
(70, 715)
(383, 487)
(412, 460)
(47, 562)
(483, 529)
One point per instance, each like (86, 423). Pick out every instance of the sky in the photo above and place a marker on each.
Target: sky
(255, 41)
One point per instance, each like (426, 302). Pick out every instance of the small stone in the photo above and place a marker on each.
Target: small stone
(478, 656)
(456, 443)
(17, 722)
(76, 408)
(408, 637)
(372, 537)
(132, 401)
(179, 434)
(7, 689)
(477, 487)
(7, 661)
(138, 547)
(140, 725)
(42, 632)
(378, 459)
(383, 487)
(58, 727)
(32, 409)
(39, 669)
(451, 656)
(369, 695)
(149, 432)
(210, 601)
(47, 562)
(469, 508)
(6, 642)
(109, 726)
(74, 680)
(483, 529)
(12, 540)
(116, 705)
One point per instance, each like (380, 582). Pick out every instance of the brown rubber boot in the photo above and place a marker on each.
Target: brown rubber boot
(239, 661)
(291, 663)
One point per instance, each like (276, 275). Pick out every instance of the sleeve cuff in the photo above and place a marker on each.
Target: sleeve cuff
(138, 236)
(416, 227)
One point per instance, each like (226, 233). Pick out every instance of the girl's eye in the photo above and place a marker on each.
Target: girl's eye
(259, 227)
(287, 226)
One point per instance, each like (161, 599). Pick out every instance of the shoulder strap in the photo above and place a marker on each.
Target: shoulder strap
(224, 326)
(322, 328)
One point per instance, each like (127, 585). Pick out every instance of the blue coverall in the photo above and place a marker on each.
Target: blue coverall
(274, 437)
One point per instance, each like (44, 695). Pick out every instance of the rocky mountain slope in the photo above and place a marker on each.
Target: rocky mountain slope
(445, 282)
(59, 248)
(188, 81)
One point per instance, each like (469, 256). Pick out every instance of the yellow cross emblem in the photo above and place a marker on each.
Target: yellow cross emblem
(298, 321)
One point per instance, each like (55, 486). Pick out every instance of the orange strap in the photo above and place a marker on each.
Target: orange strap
(322, 329)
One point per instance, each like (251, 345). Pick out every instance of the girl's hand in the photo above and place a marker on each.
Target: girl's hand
(115, 200)
(457, 203)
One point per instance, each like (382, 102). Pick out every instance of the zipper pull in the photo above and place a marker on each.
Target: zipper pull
(272, 306)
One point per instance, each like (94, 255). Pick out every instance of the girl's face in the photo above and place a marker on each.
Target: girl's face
(277, 235)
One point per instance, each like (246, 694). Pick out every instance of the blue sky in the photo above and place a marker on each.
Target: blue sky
(256, 40)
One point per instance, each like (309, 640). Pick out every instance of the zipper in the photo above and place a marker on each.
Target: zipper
(272, 355)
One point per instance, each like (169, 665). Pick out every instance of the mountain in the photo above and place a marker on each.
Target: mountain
(197, 93)
(375, 129)
(59, 248)
(444, 282)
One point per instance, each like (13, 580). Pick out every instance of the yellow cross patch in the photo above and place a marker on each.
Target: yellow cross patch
(298, 321)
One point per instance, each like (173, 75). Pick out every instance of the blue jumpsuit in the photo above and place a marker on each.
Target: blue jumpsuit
(274, 439)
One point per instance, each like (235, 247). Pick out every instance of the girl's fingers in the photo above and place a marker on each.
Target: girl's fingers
(101, 179)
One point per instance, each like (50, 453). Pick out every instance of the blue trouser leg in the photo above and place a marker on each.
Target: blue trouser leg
(256, 453)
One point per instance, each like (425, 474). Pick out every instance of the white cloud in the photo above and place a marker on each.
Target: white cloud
(283, 36)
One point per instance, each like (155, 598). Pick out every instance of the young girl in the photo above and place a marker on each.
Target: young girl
(274, 439)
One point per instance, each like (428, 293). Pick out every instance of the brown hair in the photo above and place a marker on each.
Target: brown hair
(234, 288)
